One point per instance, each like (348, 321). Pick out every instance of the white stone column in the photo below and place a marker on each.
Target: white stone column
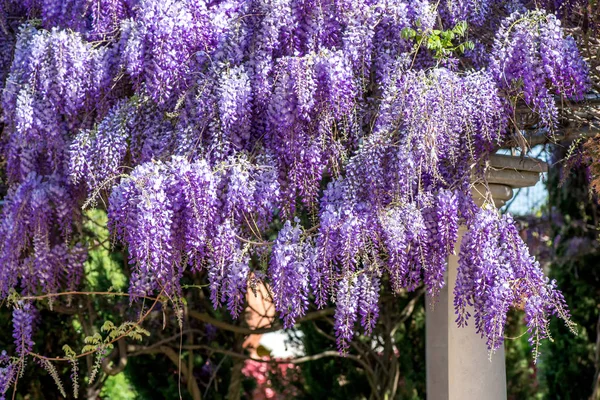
(458, 362)
(471, 372)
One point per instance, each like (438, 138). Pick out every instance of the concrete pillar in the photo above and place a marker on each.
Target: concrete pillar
(458, 362)
(471, 372)
(436, 349)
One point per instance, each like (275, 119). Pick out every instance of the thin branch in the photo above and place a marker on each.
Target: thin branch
(213, 376)
(535, 138)
(121, 364)
(174, 357)
(300, 360)
(132, 348)
(264, 243)
(353, 343)
(247, 331)
(74, 293)
(407, 311)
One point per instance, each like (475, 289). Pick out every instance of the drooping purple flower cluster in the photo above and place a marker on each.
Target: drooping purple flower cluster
(206, 124)
(8, 372)
(146, 228)
(97, 18)
(368, 299)
(346, 311)
(441, 218)
(235, 102)
(22, 320)
(289, 269)
(99, 155)
(440, 115)
(495, 273)
(224, 245)
(37, 221)
(534, 59)
(177, 214)
(475, 12)
(184, 28)
(56, 81)
(404, 232)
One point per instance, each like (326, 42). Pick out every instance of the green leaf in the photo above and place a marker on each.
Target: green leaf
(107, 326)
(113, 334)
(88, 348)
(447, 35)
(408, 33)
(434, 43)
(68, 351)
(460, 28)
(93, 339)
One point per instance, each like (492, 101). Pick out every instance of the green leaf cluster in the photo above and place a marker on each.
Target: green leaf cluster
(441, 42)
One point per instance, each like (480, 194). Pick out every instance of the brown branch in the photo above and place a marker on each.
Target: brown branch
(299, 360)
(213, 376)
(353, 343)
(247, 331)
(560, 135)
(407, 311)
(331, 353)
(122, 363)
(174, 357)
(59, 308)
(235, 374)
(254, 243)
(73, 293)
(132, 349)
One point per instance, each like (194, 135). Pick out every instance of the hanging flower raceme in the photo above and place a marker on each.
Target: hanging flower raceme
(181, 213)
(235, 102)
(289, 269)
(184, 28)
(141, 215)
(55, 80)
(441, 219)
(369, 285)
(495, 273)
(346, 311)
(37, 220)
(98, 155)
(472, 11)
(228, 269)
(23, 328)
(534, 58)
(8, 373)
